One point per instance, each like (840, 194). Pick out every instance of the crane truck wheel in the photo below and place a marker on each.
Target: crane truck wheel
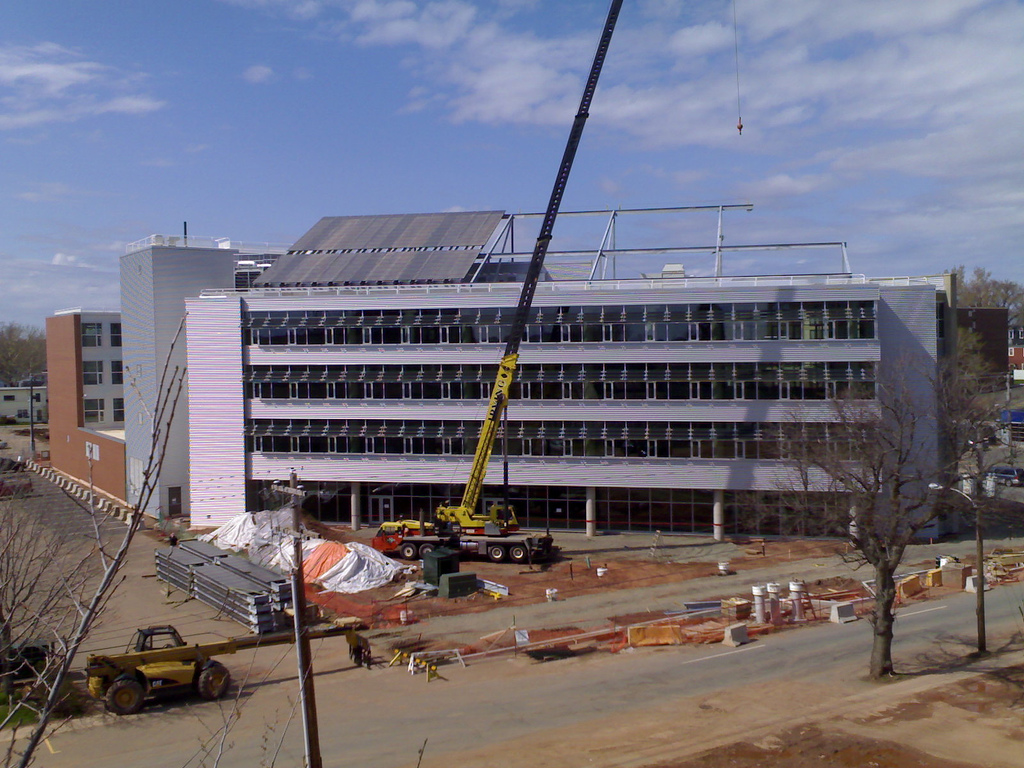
(426, 549)
(496, 552)
(125, 696)
(519, 553)
(407, 551)
(213, 681)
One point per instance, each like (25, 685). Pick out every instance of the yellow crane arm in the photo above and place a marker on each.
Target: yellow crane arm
(489, 431)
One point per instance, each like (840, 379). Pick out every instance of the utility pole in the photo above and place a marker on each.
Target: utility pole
(979, 556)
(307, 694)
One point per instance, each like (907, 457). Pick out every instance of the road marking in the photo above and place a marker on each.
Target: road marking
(923, 610)
(49, 747)
(720, 655)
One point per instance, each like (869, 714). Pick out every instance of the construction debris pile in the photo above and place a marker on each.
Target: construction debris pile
(266, 538)
(254, 589)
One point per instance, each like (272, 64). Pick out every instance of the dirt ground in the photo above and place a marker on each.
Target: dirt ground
(886, 739)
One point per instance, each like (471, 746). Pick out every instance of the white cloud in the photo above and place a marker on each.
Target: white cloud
(46, 192)
(782, 185)
(258, 73)
(64, 260)
(48, 83)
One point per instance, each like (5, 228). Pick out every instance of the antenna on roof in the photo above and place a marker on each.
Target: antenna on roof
(185, 225)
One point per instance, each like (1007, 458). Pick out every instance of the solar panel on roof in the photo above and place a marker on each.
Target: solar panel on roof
(389, 248)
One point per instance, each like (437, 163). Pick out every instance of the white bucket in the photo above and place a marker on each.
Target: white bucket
(551, 594)
(403, 617)
(601, 572)
(723, 568)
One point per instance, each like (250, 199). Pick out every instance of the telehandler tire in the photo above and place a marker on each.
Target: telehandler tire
(125, 696)
(213, 681)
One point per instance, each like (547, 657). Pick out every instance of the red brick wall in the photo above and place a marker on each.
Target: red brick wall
(67, 435)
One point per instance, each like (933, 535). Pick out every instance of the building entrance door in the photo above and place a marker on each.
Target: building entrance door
(382, 509)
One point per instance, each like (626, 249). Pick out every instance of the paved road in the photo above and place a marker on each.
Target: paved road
(381, 717)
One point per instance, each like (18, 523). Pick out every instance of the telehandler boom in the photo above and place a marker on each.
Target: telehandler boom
(159, 661)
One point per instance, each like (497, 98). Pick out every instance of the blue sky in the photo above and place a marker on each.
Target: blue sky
(893, 126)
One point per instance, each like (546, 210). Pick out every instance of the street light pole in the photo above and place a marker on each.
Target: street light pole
(979, 556)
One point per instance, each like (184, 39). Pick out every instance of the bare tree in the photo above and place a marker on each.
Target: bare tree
(22, 352)
(866, 474)
(108, 556)
(981, 289)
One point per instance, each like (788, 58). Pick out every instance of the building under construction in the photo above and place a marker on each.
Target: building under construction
(362, 360)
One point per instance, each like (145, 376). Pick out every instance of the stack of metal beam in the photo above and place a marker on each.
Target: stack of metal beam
(248, 593)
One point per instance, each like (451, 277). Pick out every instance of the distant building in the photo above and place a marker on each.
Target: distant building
(1015, 351)
(86, 424)
(988, 324)
(14, 403)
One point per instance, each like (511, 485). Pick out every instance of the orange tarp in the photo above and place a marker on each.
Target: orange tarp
(323, 559)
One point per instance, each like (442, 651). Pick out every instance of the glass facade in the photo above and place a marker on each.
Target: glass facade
(658, 326)
(734, 321)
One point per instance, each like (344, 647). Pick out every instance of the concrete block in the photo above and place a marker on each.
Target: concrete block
(954, 575)
(842, 613)
(971, 584)
(933, 578)
(909, 586)
(736, 635)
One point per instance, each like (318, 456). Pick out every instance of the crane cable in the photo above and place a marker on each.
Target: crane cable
(736, 50)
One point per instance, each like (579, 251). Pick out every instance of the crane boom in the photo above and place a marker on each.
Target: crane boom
(465, 515)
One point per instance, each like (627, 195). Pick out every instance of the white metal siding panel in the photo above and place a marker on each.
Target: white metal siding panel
(216, 404)
(738, 474)
(557, 293)
(477, 354)
(473, 411)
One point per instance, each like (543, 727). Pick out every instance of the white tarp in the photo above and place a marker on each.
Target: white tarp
(249, 528)
(361, 569)
(266, 539)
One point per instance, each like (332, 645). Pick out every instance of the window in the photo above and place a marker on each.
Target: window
(93, 410)
(92, 334)
(118, 409)
(116, 372)
(115, 334)
(92, 372)
(8, 398)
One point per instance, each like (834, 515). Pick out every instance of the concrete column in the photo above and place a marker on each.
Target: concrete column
(796, 594)
(591, 512)
(354, 505)
(758, 592)
(774, 602)
(719, 515)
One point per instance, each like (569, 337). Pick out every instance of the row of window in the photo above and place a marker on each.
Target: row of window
(572, 391)
(92, 372)
(572, 315)
(718, 440)
(759, 330)
(860, 371)
(595, 381)
(95, 410)
(92, 334)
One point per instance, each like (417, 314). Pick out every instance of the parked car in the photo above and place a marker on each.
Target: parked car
(1007, 475)
(3, 445)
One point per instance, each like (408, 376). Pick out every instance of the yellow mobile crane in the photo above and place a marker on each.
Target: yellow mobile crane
(500, 520)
